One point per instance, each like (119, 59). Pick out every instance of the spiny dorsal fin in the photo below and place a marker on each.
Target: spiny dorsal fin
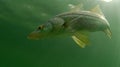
(75, 8)
(80, 39)
(97, 10)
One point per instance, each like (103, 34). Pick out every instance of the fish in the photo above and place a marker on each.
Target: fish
(76, 23)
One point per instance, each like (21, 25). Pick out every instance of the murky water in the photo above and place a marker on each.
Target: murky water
(19, 17)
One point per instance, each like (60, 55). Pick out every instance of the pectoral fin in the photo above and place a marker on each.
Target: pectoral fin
(81, 39)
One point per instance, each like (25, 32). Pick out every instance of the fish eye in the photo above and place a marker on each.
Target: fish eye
(39, 27)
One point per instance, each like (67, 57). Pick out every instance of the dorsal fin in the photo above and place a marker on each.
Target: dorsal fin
(75, 8)
(97, 10)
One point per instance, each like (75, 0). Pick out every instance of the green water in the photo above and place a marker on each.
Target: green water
(20, 17)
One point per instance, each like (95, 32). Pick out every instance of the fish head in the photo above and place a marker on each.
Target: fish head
(42, 31)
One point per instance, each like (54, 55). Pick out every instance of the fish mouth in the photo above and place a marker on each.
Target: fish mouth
(34, 36)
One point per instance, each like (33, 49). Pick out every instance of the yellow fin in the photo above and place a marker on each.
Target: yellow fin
(108, 33)
(80, 39)
(97, 10)
(75, 8)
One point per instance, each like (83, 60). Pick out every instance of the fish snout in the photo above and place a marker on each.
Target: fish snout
(34, 36)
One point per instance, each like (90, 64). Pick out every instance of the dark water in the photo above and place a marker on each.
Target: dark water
(19, 17)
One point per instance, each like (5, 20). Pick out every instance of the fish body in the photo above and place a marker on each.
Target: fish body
(77, 24)
(85, 20)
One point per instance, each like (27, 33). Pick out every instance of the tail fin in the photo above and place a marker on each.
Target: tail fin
(108, 32)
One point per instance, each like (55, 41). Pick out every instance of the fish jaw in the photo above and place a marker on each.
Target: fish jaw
(34, 35)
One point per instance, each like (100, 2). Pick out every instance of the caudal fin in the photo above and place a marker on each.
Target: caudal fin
(108, 32)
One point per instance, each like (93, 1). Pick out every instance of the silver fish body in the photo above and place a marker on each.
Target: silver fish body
(73, 24)
(84, 20)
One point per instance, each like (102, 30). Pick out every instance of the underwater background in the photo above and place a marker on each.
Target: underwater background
(20, 17)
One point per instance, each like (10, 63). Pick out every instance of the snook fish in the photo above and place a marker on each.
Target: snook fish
(77, 24)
